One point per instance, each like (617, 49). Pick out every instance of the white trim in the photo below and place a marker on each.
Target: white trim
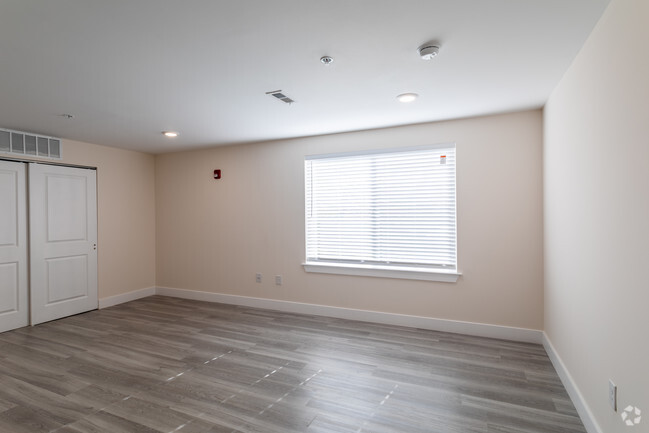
(576, 396)
(383, 271)
(381, 151)
(467, 328)
(126, 297)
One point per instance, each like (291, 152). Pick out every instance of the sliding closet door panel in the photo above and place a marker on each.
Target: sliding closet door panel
(63, 232)
(14, 309)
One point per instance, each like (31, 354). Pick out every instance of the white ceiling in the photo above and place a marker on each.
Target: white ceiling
(129, 69)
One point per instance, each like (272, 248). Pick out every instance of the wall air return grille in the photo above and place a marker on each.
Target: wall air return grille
(28, 144)
(279, 95)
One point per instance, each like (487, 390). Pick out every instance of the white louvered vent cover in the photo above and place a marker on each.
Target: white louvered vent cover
(26, 143)
(282, 97)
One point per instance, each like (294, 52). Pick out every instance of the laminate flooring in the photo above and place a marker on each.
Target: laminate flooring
(162, 364)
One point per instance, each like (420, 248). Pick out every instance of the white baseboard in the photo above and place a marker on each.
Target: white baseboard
(458, 327)
(576, 396)
(126, 297)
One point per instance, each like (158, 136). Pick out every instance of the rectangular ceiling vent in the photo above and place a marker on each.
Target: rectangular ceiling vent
(279, 95)
(28, 144)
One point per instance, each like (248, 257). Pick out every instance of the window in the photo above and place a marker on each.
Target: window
(383, 213)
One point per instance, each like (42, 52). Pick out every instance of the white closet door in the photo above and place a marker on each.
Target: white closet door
(63, 241)
(14, 310)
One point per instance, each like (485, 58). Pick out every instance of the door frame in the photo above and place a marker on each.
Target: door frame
(38, 161)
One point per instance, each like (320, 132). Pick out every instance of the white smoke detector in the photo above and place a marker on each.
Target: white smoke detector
(428, 50)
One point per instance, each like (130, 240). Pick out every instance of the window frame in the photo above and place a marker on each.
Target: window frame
(377, 270)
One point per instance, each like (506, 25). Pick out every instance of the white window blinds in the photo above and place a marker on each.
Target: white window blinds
(389, 208)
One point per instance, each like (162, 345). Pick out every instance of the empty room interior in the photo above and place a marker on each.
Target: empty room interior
(297, 216)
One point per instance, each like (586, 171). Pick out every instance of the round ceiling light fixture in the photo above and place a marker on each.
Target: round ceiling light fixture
(428, 50)
(170, 134)
(326, 60)
(407, 97)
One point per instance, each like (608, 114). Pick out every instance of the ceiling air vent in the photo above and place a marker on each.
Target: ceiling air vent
(28, 144)
(279, 95)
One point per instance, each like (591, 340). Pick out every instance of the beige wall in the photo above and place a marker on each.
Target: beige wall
(126, 215)
(213, 236)
(596, 170)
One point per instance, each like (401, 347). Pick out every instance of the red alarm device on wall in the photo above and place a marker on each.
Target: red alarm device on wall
(217, 174)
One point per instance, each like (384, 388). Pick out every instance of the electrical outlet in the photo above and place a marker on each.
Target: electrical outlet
(612, 395)
(278, 280)
(258, 278)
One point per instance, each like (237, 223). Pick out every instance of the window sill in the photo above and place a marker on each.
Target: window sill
(383, 271)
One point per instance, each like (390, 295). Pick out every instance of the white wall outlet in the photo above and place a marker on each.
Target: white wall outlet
(612, 395)
(258, 278)
(278, 280)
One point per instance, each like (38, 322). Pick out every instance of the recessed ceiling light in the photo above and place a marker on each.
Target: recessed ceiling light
(407, 97)
(327, 60)
(170, 134)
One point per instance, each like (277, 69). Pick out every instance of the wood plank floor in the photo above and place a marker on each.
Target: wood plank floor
(163, 364)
